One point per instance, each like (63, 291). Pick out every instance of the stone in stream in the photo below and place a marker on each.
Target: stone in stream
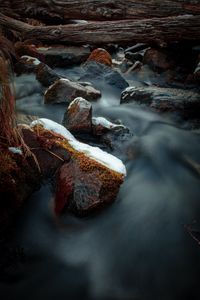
(184, 102)
(78, 119)
(78, 116)
(101, 56)
(84, 187)
(65, 91)
(101, 126)
(89, 179)
(96, 71)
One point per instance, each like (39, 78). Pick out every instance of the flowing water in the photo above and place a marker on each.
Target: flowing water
(144, 246)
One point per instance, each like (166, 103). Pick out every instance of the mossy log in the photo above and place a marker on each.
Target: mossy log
(155, 30)
(62, 10)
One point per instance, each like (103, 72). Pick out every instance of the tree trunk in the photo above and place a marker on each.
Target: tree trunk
(63, 10)
(155, 30)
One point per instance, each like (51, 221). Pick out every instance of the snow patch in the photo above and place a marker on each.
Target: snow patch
(105, 123)
(95, 153)
(15, 150)
(81, 101)
(129, 89)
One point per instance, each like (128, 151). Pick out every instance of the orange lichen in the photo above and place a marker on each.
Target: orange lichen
(101, 56)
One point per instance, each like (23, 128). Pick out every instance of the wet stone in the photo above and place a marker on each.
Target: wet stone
(78, 117)
(97, 71)
(184, 102)
(65, 91)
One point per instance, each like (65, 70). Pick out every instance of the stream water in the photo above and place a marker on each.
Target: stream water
(142, 247)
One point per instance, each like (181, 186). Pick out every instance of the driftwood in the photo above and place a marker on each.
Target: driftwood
(155, 30)
(97, 10)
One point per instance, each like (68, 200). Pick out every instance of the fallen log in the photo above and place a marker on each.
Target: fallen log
(97, 10)
(154, 31)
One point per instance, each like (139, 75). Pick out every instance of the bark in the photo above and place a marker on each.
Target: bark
(97, 9)
(155, 30)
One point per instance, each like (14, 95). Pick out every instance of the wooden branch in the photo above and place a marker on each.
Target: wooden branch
(98, 9)
(159, 30)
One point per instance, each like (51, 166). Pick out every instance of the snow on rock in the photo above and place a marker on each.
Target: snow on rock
(15, 150)
(105, 123)
(94, 153)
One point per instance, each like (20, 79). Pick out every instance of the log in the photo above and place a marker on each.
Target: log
(97, 10)
(155, 30)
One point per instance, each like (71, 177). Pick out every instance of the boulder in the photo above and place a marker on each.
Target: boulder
(100, 125)
(88, 181)
(62, 56)
(101, 56)
(96, 71)
(84, 187)
(78, 116)
(111, 134)
(184, 102)
(65, 91)
(116, 137)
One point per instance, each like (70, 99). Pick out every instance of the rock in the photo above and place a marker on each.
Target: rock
(158, 60)
(89, 180)
(78, 117)
(100, 56)
(65, 91)
(96, 71)
(101, 125)
(84, 187)
(110, 134)
(62, 56)
(49, 156)
(184, 102)
(116, 137)
(45, 75)
(136, 48)
(26, 64)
